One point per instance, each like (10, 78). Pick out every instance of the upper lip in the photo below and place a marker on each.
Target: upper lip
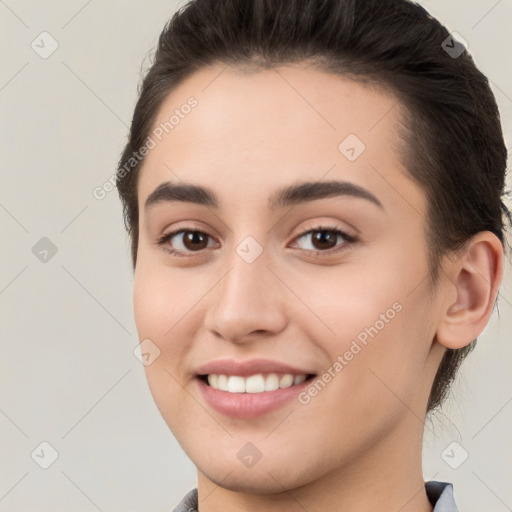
(246, 368)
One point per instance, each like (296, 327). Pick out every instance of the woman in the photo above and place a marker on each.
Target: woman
(313, 192)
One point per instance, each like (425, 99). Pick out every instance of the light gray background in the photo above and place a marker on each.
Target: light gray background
(68, 373)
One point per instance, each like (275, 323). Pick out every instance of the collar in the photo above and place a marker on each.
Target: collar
(440, 495)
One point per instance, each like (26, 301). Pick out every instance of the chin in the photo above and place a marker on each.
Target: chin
(251, 481)
(268, 476)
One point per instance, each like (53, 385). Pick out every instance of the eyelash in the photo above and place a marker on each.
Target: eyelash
(349, 239)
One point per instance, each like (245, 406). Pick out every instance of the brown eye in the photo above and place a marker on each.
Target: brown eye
(194, 240)
(184, 242)
(326, 239)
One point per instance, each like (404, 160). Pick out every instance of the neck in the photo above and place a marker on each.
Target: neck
(387, 477)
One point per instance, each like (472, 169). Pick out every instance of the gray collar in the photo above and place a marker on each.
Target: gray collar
(440, 495)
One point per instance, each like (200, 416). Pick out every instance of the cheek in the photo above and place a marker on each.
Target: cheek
(161, 300)
(158, 308)
(377, 334)
(150, 301)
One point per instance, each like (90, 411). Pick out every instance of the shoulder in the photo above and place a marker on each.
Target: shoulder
(441, 496)
(188, 503)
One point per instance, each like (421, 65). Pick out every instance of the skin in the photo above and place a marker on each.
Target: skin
(250, 134)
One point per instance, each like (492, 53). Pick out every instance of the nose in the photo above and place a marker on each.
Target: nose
(248, 303)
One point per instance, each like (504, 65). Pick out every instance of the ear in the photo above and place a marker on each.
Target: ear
(473, 279)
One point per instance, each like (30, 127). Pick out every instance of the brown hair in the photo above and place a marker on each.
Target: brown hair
(454, 147)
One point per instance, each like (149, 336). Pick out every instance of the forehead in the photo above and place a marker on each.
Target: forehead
(252, 132)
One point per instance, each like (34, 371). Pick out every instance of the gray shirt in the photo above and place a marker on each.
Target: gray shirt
(440, 495)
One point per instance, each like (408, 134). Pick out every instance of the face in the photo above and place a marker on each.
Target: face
(266, 289)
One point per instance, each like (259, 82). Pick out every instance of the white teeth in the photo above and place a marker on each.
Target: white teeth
(222, 383)
(255, 383)
(236, 384)
(298, 379)
(213, 380)
(272, 382)
(286, 381)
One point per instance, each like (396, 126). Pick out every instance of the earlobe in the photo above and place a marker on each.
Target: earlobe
(474, 278)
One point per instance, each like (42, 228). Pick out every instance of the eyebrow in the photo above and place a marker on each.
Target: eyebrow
(287, 196)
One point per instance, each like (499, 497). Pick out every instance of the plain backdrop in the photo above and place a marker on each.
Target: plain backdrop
(69, 377)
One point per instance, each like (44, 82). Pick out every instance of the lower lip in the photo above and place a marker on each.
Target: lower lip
(249, 405)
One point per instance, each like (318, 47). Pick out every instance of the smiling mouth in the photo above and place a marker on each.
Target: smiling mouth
(257, 383)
